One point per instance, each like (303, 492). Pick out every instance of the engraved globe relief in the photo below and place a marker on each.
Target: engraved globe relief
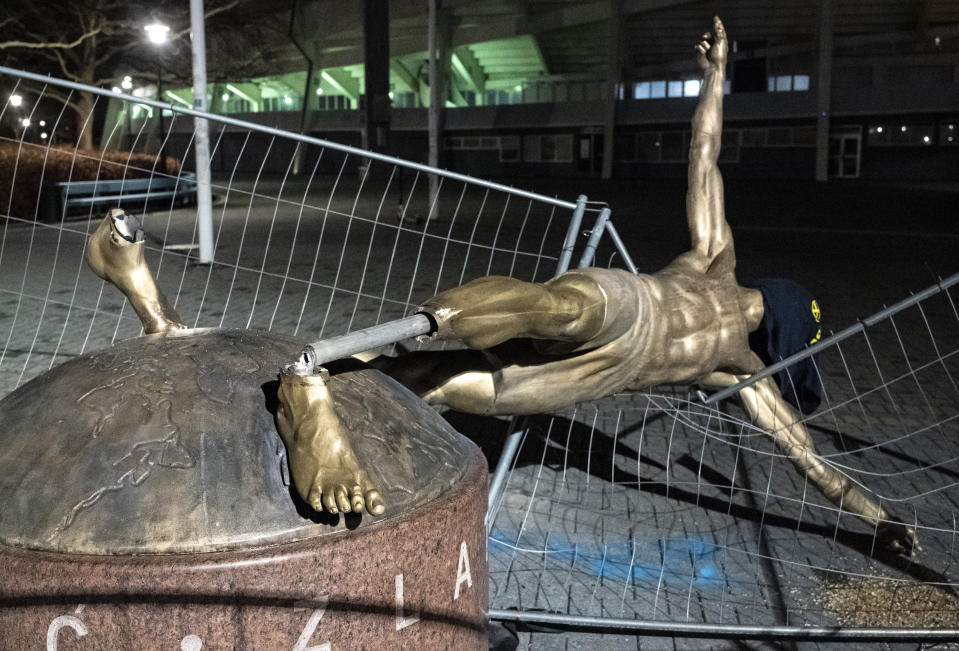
(168, 443)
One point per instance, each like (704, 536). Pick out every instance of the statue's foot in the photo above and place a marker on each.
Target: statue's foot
(898, 537)
(325, 470)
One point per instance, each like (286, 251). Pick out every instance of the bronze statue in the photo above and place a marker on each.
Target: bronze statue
(537, 347)
(593, 332)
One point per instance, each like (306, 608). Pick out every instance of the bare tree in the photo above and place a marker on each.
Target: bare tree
(90, 41)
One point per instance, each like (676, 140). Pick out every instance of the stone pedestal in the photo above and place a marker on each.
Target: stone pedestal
(418, 582)
(145, 503)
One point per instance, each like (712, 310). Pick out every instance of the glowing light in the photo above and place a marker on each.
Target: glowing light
(225, 97)
(878, 129)
(43, 136)
(43, 123)
(903, 129)
(925, 139)
(127, 82)
(287, 100)
(391, 94)
(25, 122)
(116, 89)
(319, 91)
(157, 33)
(16, 100)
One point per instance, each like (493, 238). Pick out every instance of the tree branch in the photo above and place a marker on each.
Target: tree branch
(40, 45)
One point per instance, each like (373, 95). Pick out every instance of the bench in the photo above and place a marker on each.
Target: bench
(132, 193)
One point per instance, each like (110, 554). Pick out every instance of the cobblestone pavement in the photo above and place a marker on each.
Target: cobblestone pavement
(645, 506)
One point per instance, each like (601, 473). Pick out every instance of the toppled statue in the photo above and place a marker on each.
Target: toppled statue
(593, 332)
(534, 347)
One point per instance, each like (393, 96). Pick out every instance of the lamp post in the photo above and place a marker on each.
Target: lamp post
(159, 35)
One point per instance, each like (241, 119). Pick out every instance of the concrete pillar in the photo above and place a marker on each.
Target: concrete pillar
(439, 39)
(376, 57)
(614, 77)
(823, 89)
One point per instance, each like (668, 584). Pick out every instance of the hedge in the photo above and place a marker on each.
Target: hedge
(24, 167)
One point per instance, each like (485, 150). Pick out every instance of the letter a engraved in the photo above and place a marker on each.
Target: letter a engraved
(402, 621)
(463, 571)
(310, 628)
(61, 622)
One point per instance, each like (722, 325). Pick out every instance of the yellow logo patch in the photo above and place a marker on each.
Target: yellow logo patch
(817, 315)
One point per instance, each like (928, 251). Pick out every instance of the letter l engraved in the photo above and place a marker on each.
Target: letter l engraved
(402, 621)
(310, 628)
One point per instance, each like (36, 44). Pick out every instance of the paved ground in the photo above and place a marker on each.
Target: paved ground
(645, 506)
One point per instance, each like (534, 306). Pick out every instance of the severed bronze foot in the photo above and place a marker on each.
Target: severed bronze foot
(115, 253)
(325, 470)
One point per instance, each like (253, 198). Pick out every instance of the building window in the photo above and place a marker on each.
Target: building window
(674, 147)
(729, 151)
(785, 83)
(548, 148)
(624, 147)
(509, 148)
(648, 146)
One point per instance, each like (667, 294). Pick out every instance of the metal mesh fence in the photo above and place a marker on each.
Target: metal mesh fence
(656, 512)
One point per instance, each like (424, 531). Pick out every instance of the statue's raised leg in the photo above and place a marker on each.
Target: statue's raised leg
(767, 409)
(115, 253)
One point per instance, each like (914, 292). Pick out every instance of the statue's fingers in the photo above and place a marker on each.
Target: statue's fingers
(357, 497)
(718, 27)
(341, 499)
(374, 503)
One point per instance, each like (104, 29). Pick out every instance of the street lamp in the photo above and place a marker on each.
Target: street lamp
(158, 34)
(16, 100)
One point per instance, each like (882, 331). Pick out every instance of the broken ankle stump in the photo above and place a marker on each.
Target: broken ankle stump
(145, 499)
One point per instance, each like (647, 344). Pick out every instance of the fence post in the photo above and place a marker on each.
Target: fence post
(567, 253)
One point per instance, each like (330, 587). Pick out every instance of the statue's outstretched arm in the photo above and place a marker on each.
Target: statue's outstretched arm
(115, 253)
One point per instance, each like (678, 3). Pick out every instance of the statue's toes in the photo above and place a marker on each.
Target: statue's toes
(374, 502)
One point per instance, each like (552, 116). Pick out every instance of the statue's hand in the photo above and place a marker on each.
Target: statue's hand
(713, 49)
(898, 537)
(325, 470)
